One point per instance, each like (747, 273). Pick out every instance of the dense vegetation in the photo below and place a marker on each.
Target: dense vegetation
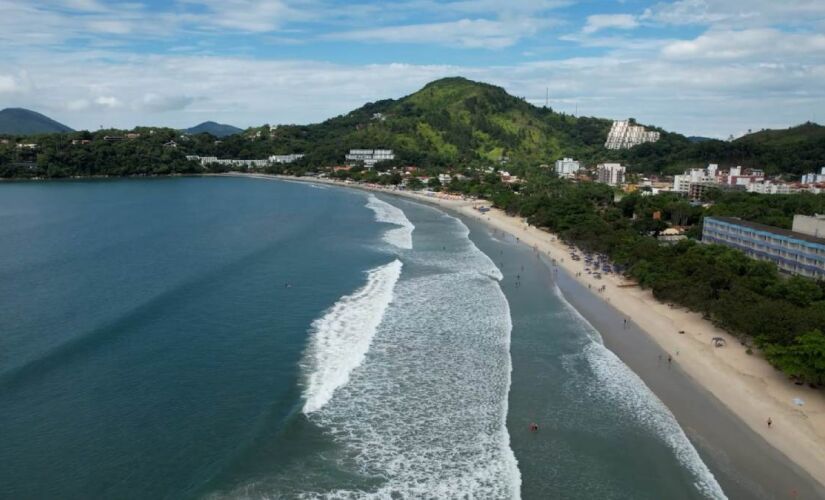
(794, 151)
(746, 297)
(57, 156)
(450, 123)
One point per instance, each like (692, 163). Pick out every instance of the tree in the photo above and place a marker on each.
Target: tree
(804, 358)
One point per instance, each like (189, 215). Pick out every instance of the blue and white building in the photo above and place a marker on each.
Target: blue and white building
(794, 252)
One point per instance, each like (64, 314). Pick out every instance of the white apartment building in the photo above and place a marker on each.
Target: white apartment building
(623, 135)
(768, 187)
(567, 167)
(370, 156)
(285, 158)
(610, 173)
(814, 178)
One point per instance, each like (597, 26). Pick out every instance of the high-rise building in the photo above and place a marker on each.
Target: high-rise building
(610, 173)
(567, 167)
(624, 135)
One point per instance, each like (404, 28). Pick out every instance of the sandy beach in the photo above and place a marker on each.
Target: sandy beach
(746, 384)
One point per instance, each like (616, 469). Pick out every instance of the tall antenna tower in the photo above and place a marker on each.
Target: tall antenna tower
(546, 96)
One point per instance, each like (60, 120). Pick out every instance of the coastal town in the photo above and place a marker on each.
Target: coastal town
(720, 267)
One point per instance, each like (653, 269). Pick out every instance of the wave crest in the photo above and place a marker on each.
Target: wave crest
(342, 337)
(400, 237)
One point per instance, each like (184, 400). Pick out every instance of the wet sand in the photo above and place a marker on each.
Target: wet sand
(746, 466)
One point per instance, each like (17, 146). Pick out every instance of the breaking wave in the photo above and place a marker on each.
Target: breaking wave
(342, 337)
(618, 386)
(400, 237)
(424, 416)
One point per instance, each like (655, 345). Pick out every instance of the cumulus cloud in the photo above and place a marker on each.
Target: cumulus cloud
(609, 21)
(763, 44)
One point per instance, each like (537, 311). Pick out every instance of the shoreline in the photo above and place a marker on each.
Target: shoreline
(746, 385)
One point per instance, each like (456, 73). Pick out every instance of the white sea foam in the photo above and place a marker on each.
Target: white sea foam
(400, 237)
(342, 337)
(618, 385)
(425, 414)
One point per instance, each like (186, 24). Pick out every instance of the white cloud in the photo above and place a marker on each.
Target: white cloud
(737, 13)
(609, 21)
(762, 44)
(107, 102)
(467, 33)
(163, 103)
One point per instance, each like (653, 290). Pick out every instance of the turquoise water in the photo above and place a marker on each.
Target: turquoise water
(226, 338)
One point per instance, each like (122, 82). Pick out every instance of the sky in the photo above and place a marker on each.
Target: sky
(699, 67)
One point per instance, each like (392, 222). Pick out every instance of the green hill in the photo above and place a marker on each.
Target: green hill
(449, 121)
(19, 121)
(791, 151)
(215, 129)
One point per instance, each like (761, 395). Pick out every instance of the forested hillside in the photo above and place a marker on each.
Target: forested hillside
(450, 123)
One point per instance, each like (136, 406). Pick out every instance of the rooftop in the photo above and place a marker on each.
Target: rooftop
(771, 229)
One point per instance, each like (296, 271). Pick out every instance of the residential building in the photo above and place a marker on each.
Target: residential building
(624, 135)
(567, 167)
(370, 156)
(814, 178)
(770, 187)
(610, 173)
(285, 158)
(792, 251)
(696, 181)
(705, 176)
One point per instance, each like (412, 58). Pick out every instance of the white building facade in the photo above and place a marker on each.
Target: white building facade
(612, 174)
(624, 135)
(370, 156)
(567, 167)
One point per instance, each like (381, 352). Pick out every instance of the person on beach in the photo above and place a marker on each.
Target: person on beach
(669, 359)
(534, 427)
(770, 422)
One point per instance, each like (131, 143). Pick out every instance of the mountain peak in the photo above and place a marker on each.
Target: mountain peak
(213, 128)
(20, 121)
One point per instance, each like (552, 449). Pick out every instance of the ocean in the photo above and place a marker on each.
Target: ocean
(247, 338)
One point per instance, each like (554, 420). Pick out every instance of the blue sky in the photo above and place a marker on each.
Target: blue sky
(700, 67)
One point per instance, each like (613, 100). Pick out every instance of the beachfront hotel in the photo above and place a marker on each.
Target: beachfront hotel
(799, 251)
